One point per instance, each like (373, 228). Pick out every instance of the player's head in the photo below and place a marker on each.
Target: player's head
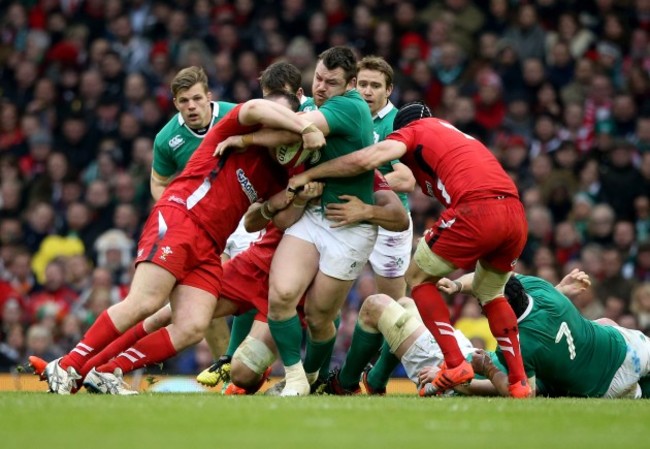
(281, 76)
(192, 97)
(374, 81)
(335, 74)
(516, 295)
(284, 98)
(410, 112)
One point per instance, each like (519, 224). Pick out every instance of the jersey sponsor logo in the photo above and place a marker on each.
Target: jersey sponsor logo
(447, 224)
(429, 187)
(176, 142)
(246, 186)
(175, 199)
(375, 136)
(166, 251)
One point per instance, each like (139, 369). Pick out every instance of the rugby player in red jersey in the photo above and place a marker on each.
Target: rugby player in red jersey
(178, 253)
(483, 229)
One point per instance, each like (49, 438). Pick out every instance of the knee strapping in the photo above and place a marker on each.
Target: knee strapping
(397, 324)
(488, 285)
(254, 354)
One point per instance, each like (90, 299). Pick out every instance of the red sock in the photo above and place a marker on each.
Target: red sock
(124, 341)
(503, 325)
(100, 334)
(154, 348)
(435, 315)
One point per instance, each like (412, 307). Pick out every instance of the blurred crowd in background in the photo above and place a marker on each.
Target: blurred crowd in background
(559, 90)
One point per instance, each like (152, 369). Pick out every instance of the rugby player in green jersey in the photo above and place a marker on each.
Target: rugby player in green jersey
(399, 323)
(317, 256)
(566, 353)
(392, 252)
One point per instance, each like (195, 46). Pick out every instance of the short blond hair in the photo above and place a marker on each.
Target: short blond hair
(187, 78)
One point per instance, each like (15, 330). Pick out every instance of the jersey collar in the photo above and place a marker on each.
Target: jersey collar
(528, 309)
(215, 113)
(385, 110)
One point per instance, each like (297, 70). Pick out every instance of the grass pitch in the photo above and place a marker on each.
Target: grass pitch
(212, 421)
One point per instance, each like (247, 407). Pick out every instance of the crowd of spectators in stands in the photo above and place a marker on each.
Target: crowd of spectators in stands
(559, 90)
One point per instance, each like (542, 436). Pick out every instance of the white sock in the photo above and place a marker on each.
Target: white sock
(297, 384)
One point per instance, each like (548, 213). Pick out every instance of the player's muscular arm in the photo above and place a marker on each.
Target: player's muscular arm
(158, 183)
(388, 212)
(352, 164)
(273, 115)
(401, 179)
(271, 138)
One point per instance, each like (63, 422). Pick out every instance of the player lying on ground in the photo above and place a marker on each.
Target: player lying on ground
(564, 353)
(414, 345)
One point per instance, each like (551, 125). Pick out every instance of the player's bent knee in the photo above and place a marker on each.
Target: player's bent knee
(488, 284)
(397, 324)
(406, 302)
(255, 355)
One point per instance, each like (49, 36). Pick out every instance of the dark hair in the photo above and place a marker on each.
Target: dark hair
(294, 103)
(412, 111)
(516, 295)
(342, 57)
(280, 74)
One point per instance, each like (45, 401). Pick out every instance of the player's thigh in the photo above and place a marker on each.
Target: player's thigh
(391, 254)
(294, 265)
(192, 308)
(150, 287)
(325, 298)
(427, 266)
(635, 365)
(343, 252)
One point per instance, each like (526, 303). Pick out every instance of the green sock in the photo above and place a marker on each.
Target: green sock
(288, 338)
(364, 345)
(241, 326)
(380, 373)
(325, 367)
(316, 352)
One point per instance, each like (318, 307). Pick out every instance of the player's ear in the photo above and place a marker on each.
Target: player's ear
(209, 95)
(389, 90)
(300, 92)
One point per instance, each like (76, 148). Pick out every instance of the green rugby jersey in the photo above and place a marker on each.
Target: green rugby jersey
(307, 104)
(350, 124)
(569, 354)
(383, 126)
(176, 142)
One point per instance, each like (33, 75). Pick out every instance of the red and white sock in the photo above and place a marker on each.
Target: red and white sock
(503, 325)
(124, 341)
(435, 314)
(154, 348)
(100, 334)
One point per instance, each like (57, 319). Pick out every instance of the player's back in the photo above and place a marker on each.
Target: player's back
(451, 165)
(568, 353)
(217, 191)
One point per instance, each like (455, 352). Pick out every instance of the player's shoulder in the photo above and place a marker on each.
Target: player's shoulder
(172, 128)
(308, 105)
(221, 108)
